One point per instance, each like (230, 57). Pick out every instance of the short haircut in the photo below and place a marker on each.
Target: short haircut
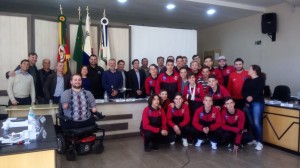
(132, 62)
(212, 76)
(239, 60)
(163, 90)
(144, 59)
(170, 60)
(154, 65)
(32, 53)
(178, 57)
(194, 56)
(208, 57)
(205, 67)
(208, 95)
(170, 56)
(228, 98)
(112, 59)
(76, 74)
(45, 59)
(24, 60)
(93, 55)
(184, 57)
(121, 61)
(178, 94)
(190, 74)
(160, 57)
(183, 68)
(151, 98)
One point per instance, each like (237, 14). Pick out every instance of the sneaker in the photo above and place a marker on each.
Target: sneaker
(147, 147)
(254, 142)
(172, 143)
(259, 146)
(229, 146)
(199, 142)
(213, 145)
(184, 142)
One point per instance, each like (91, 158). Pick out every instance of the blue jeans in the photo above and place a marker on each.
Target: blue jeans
(254, 114)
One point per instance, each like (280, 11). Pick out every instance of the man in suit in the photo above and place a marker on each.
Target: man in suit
(56, 84)
(120, 67)
(137, 80)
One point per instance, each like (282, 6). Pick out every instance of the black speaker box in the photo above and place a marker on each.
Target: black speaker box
(269, 23)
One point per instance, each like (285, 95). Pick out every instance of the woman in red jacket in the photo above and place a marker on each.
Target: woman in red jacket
(178, 118)
(207, 122)
(154, 123)
(151, 80)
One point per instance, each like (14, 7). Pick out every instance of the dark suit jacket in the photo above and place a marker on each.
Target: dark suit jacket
(50, 85)
(134, 85)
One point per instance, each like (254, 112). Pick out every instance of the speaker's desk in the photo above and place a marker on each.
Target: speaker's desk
(123, 118)
(42, 109)
(281, 127)
(37, 154)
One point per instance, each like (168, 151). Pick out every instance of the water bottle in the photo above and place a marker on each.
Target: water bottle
(31, 124)
(105, 97)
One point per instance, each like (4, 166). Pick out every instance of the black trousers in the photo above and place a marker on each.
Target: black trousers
(22, 101)
(239, 104)
(70, 124)
(186, 132)
(155, 138)
(213, 136)
(227, 137)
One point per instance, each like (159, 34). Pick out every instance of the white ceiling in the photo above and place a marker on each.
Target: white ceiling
(189, 14)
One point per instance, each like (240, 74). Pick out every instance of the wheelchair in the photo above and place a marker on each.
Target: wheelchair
(79, 141)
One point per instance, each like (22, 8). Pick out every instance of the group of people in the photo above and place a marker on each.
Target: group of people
(193, 103)
(203, 103)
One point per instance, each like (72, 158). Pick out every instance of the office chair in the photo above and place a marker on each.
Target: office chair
(282, 93)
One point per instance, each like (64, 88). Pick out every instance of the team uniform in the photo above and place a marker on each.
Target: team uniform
(153, 121)
(218, 74)
(168, 83)
(181, 118)
(212, 120)
(195, 102)
(235, 84)
(165, 105)
(226, 71)
(219, 95)
(150, 84)
(233, 125)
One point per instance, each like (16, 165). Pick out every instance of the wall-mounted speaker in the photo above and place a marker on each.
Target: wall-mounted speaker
(269, 23)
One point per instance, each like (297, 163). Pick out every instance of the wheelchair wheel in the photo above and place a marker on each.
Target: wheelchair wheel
(61, 144)
(99, 148)
(71, 154)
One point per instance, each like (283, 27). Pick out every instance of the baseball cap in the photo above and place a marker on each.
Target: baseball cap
(222, 57)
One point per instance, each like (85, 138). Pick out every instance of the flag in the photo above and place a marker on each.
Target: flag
(63, 47)
(87, 51)
(104, 51)
(78, 49)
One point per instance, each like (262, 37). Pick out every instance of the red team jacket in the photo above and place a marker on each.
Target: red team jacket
(199, 93)
(226, 71)
(167, 82)
(150, 112)
(211, 119)
(180, 117)
(219, 95)
(236, 82)
(234, 123)
(218, 74)
(150, 84)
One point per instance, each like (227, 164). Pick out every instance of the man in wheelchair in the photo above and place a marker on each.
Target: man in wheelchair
(77, 118)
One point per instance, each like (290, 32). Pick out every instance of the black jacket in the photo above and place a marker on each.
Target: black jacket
(95, 77)
(134, 85)
(50, 85)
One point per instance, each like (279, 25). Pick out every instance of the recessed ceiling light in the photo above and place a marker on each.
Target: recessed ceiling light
(211, 11)
(170, 6)
(122, 1)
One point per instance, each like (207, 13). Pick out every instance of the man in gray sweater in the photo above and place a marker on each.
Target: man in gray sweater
(77, 105)
(20, 88)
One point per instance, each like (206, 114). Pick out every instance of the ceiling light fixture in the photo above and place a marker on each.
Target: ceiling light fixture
(211, 11)
(170, 6)
(122, 1)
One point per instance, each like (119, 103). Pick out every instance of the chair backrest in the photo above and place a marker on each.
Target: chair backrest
(267, 91)
(282, 93)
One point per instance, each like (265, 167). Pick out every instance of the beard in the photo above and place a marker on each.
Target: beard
(76, 87)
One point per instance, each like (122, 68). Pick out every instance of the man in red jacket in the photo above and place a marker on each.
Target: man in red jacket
(233, 124)
(225, 69)
(207, 122)
(208, 61)
(236, 81)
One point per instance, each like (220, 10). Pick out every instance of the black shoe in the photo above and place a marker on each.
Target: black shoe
(147, 147)
(99, 115)
(155, 146)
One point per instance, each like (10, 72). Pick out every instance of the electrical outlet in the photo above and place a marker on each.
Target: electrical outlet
(258, 42)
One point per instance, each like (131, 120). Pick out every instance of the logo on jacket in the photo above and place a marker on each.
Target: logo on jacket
(176, 78)
(164, 78)
(201, 115)
(99, 72)
(226, 117)
(150, 82)
(236, 118)
(198, 90)
(182, 111)
(228, 71)
(213, 115)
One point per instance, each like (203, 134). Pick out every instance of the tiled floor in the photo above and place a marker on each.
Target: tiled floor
(129, 153)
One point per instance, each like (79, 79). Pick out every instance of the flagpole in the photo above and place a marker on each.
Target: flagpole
(87, 10)
(79, 12)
